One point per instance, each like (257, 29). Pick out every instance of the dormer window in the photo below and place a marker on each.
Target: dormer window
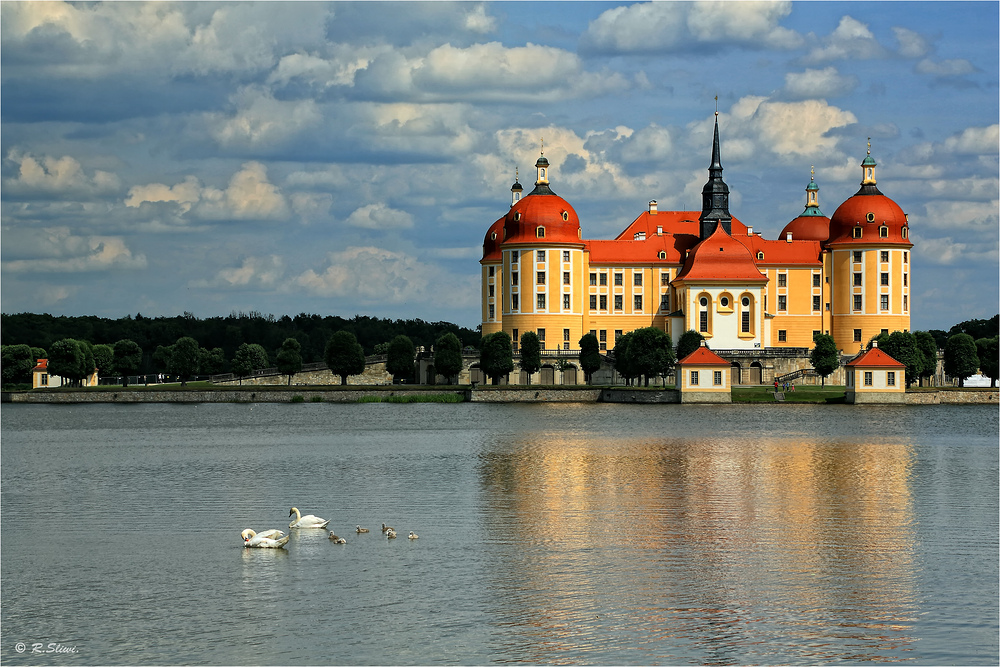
(870, 217)
(540, 232)
(760, 255)
(906, 232)
(662, 254)
(883, 232)
(517, 216)
(565, 216)
(857, 233)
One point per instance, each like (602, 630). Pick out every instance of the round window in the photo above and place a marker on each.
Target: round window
(704, 301)
(870, 217)
(746, 302)
(493, 236)
(724, 301)
(517, 216)
(565, 216)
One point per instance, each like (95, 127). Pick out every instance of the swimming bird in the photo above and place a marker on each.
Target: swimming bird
(386, 528)
(251, 538)
(261, 542)
(390, 534)
(412, 535)
(307, 521)
(335, 539)
(362, 530)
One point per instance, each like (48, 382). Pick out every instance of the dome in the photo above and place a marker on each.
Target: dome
(807, 227)
(720, 258)
(878, 219)
(492, 241)
(541, 218)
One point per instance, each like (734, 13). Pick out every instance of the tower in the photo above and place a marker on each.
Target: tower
(715, 195)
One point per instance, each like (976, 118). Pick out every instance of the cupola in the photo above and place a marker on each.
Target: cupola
(715, 195)
(811, 225)
(869, 217)
(515, 190)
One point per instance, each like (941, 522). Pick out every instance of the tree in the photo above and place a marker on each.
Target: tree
(249, 357)
(531, 353)
(104, 359)
(289, 358)
(448, 356)
(399, 362)
(651, 352)
(825, 357)
(161, 357)
(624, 363)
(987, 350)
(689, 341)
(344, 355)
(185, 357)
(66, 360)
(590, 356)
(902, 346)
(495, 356)
(928, 350)
(960, 357)
(211, 362)
(17, 362)
(128, 358)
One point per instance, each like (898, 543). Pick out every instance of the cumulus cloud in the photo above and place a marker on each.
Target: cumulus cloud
(262, 121)
(62, 177)
(59, 250)
(380, 216)
(969, 215)
(252, 273)
(949, 252)
(675, 26)
(823, 83)
(850, 40)
(911, 44)
(945, 68)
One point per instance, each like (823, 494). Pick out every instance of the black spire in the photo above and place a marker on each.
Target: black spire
(715, 194)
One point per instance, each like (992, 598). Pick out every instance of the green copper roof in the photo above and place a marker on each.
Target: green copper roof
(869, 162)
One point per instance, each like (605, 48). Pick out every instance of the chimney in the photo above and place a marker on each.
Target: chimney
(652, 207)
(749, 231)
(788, 237)
(659, 230)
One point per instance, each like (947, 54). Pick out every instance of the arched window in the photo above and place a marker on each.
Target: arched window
(662, 255)
(760, 255)
(883, 232)
(857, 232)
(565, 216)
(906, 232)
(540, 232)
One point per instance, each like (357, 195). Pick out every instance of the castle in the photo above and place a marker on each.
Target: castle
(847, 276)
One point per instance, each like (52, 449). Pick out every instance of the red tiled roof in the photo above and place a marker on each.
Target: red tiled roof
(875, 358)
(541, 210)
(807, 228)
(720, 258)
(854, 212)
(43, 364)
(703, 357)
(782, 252)
(492, 241)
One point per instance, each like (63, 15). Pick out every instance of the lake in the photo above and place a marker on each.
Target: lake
(548, 534)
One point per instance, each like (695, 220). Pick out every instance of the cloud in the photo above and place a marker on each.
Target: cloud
(249, 196)
(263, 121)
(975, 141)
(62, 177)
(850, 40)
(253, 273)
(911, 44)
(948, 252)
(380, 216)
(59, 250)
(969, 215)
(674, 26)
(955, 67)
(823, 83)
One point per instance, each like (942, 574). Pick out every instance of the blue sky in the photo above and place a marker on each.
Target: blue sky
(347, 158)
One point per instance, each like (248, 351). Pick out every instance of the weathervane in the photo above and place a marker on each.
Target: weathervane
(869, 145)
(716, 105)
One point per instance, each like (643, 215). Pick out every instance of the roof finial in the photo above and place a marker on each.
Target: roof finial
(716, 106)
(869, 145)
(515, 175)
(543, 146)
(812, 173)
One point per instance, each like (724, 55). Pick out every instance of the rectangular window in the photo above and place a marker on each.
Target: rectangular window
(637, 303)
(541, 335)
(593, 332)
(815, 303)
(618, 279)
(782, 280)
(703, 321)
(593, 278)
(665, 302)
(565, 255)
(565, 301)
(565, 277)
(827, 306)
(885, 255)
(694, 378)
(745, 321)
(883, 301)
(637, 279)
(884, 279)
(857, 335)
(782, 302)
(513, 256)
(514, 302)
(491, 271)
(492, 311)
(540, 278)
(815, 333)
(604, 279)
(593, 302)
(890, 378)
(906, 303)
(816, 280)
(604, 302)
(45, 379)
(565, 335)
(857, 302)
(514, 339)
(491, 290)
(857, 280)
(513, 277)
(540, 255)
(857, 255)
(618, 301)
(664, 278)
(604, 335)
(856, 233)
(905, 257)
(906, 279)
(541, 302)
(618, 335)
(717, 378)
(782, 336)
(868, 378)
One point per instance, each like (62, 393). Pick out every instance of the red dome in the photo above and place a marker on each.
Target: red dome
(870, 212)
(491, 244)
(547, 211)
(807, 228)
(720, 258)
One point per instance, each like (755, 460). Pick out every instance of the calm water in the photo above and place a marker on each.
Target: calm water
(555, 534)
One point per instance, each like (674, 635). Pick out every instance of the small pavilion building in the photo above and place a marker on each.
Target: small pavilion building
(704, 377)
(875, 377)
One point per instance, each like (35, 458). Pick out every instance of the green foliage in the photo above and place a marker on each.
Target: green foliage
(824, 357)
(185, 357)
(212, 362)
(978, 328)
(689, 341)
(128, 358)
(297, 399)
(623, 360)
(399, 362)
(448, 356)
(249, 357)
(961, 358)
(928, 351)
(987, 350)
(104, 359)
(650, 353)
(66, 360)
(902, 346)
(531, 353)
(289, 358)
(496, 357)
(17, 362)
(161, 357)
(590, 355)
(344, 356)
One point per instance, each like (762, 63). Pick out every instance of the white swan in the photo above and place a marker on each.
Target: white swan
(386, 528)
(269, 539)
(335, 539)
(390, 533)
(412, 535)
(361, 530)
(307, 521)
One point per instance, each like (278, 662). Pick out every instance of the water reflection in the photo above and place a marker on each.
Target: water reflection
(713, 551)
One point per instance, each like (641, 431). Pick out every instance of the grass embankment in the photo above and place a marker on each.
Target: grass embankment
(802, 394)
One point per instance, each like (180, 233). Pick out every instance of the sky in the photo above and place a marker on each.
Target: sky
(347, 158)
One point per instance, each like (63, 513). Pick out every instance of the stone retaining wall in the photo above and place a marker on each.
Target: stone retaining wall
(630, 396)
(548, 395)
(236, 396)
